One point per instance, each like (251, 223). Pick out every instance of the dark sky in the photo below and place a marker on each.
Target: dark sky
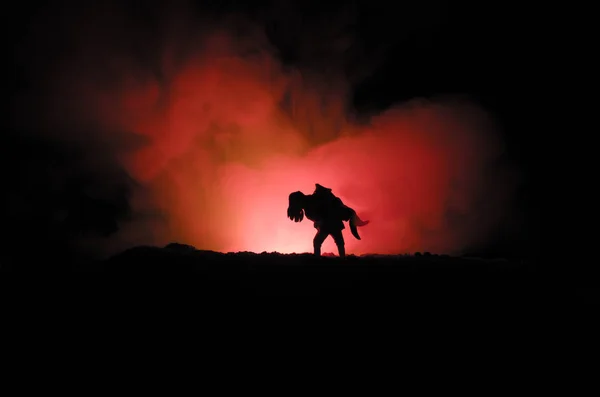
(389, 53)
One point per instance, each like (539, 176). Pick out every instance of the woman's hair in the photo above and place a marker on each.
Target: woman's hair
(295, 209)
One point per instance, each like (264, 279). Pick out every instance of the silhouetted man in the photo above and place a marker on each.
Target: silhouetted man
(328, 213)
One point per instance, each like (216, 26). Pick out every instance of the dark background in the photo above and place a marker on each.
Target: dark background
(488, 51)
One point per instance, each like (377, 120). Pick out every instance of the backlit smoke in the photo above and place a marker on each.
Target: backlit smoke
(210, 132)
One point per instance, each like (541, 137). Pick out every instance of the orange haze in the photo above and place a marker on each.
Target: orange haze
(223, 132)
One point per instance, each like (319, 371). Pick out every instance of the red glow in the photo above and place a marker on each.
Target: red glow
(225, 185)
(223, 156)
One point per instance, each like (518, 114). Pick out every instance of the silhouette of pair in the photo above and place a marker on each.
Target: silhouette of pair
(328, 213)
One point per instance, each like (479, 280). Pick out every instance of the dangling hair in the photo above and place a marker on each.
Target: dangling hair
(295, 209)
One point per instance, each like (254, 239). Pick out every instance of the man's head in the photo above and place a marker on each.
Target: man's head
(319, 189)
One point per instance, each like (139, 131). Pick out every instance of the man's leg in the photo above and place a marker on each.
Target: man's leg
(338, 237)
(318, 241)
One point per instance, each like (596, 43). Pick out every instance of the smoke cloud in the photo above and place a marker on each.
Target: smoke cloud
(191, 128)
